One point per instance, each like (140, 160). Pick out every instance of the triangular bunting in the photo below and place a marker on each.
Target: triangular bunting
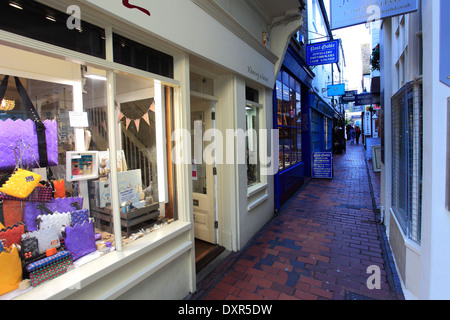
(146, 119)
(128, 121)
(152, 107)
(121, 115)
(137, 122)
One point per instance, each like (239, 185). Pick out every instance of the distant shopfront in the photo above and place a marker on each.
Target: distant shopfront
(305, 123)
(290, 102)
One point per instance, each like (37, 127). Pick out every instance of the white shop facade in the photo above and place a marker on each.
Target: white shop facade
(144, 77)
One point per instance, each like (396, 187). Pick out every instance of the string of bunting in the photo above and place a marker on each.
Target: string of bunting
(137, 122)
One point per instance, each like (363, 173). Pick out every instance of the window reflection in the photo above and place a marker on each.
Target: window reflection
(288, 91)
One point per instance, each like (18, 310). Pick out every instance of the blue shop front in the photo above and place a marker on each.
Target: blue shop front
(305, 123)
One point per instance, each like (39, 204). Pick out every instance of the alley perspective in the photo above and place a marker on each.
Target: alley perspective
(326, 243)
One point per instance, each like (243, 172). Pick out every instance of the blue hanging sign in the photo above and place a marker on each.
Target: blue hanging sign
(336, 90)
(322, 53)
(322, 165)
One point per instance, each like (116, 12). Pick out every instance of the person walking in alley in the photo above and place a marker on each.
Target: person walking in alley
(347, 129)
(357, 134)
(352, 135)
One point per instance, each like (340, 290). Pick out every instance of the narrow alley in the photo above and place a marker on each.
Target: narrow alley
(320, 246)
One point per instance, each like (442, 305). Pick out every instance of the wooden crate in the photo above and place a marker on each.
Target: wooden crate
(130, 222)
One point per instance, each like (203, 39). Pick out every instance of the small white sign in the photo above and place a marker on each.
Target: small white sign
(368, 123)
(78, 119)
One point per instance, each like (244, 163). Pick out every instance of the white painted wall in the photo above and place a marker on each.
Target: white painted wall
(424, 267)
(435, 279)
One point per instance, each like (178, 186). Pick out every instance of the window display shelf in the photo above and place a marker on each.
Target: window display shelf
(130, 221)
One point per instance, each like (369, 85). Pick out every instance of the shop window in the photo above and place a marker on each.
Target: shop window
(141, 152)
(79, 173)
(53, 102)
(201, 84)
(252, 117)
(40, 22)
(288, 93)
(252, 147)
(139, 56)
(407, 157)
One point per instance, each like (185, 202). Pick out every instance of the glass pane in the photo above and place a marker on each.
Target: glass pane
(52, 101)
(201, 84)
(286, 106)
(293, 138)
(253, 166)
(199, 166)
(281, 148)
(37, 21)
(299, 145)
(298, 109)
(279, 89)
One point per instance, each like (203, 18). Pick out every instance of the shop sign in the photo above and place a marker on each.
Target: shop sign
(346, 13)
(322, 53)
(367, 123)
(363, 99)
(349, 96)
(336, 90)
(322, 165)
(444, 43)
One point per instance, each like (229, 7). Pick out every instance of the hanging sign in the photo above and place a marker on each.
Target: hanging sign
(322, 53)
(336, 90)
(349, 96)
(363, 99)
(322, 165)
(346, 13)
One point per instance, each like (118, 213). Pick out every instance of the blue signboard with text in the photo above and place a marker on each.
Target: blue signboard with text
(363, 99)
(322, 165)
(322, 53)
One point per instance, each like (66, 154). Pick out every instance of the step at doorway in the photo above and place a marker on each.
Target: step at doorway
(205, 252)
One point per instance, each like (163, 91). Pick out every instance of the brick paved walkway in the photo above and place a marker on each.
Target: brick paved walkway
(319, 247)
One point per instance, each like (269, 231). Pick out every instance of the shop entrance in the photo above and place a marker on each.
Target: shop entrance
(204, 180)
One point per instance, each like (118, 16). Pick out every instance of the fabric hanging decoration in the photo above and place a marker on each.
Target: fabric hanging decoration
(137, 121)
(36, 138)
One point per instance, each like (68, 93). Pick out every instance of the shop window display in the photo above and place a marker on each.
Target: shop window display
(253, 110)
(57, 226)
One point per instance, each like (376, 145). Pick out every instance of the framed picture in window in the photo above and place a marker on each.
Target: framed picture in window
(81, 165)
